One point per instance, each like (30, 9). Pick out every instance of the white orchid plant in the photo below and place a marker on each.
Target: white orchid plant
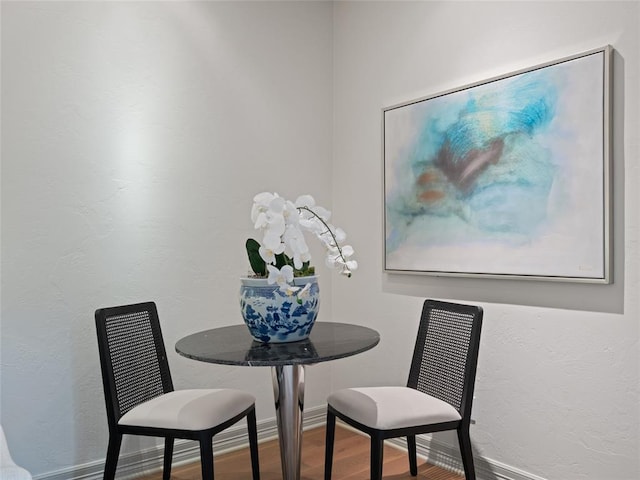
(283, 253)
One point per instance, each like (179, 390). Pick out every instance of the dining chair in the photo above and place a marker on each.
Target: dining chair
(438, 395)
(141, 399)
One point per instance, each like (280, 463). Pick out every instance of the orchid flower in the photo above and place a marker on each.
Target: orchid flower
(282, 224)
(281, 276)
(305, 291)
(289, 290)
(269, 254)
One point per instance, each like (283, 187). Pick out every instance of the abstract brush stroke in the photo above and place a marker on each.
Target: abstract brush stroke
(478, 163)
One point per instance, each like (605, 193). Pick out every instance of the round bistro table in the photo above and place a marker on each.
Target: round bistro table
(233, 345)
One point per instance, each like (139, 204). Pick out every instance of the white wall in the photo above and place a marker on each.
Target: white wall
(557, 387)
(134, 136)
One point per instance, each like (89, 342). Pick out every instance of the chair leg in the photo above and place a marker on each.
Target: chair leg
(466, 453)
(168, 457)
(413, 460)
(377, 449)
(253, 443)
(113, 450)
(206, 457)
(328, 449)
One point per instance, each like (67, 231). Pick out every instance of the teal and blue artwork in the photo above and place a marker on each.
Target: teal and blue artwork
(506, 177)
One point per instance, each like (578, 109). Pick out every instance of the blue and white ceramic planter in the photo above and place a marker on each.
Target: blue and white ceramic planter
(272, 316)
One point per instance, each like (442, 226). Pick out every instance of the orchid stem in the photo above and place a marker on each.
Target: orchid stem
(335, 240)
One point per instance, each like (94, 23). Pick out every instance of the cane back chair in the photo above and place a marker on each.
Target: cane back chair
(141, 399)
(438, 395)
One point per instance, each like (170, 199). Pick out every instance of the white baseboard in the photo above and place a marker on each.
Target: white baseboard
(133, 465)
(448, 457)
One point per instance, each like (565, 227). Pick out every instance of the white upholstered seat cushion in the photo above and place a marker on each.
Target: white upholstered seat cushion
(197, 409)
(386, 408)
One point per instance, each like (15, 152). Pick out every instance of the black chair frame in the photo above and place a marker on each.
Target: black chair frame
(114, 411)
(462, 426)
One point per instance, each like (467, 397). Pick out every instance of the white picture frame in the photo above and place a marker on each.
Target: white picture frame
(504, 178)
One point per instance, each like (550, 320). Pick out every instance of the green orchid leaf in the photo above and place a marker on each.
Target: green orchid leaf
(282, 260)
(258, 265)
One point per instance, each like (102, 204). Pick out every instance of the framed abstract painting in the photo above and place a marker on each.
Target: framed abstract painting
(504, 178)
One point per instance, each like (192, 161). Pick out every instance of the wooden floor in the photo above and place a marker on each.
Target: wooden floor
(350, 461)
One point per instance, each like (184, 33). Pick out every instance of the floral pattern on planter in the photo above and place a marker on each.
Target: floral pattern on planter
(273, 316)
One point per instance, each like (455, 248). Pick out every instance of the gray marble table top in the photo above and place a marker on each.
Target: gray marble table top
(233, 345)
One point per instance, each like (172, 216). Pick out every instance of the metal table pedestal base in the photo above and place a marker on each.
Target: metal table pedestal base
(231, 345)
(288, 393)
